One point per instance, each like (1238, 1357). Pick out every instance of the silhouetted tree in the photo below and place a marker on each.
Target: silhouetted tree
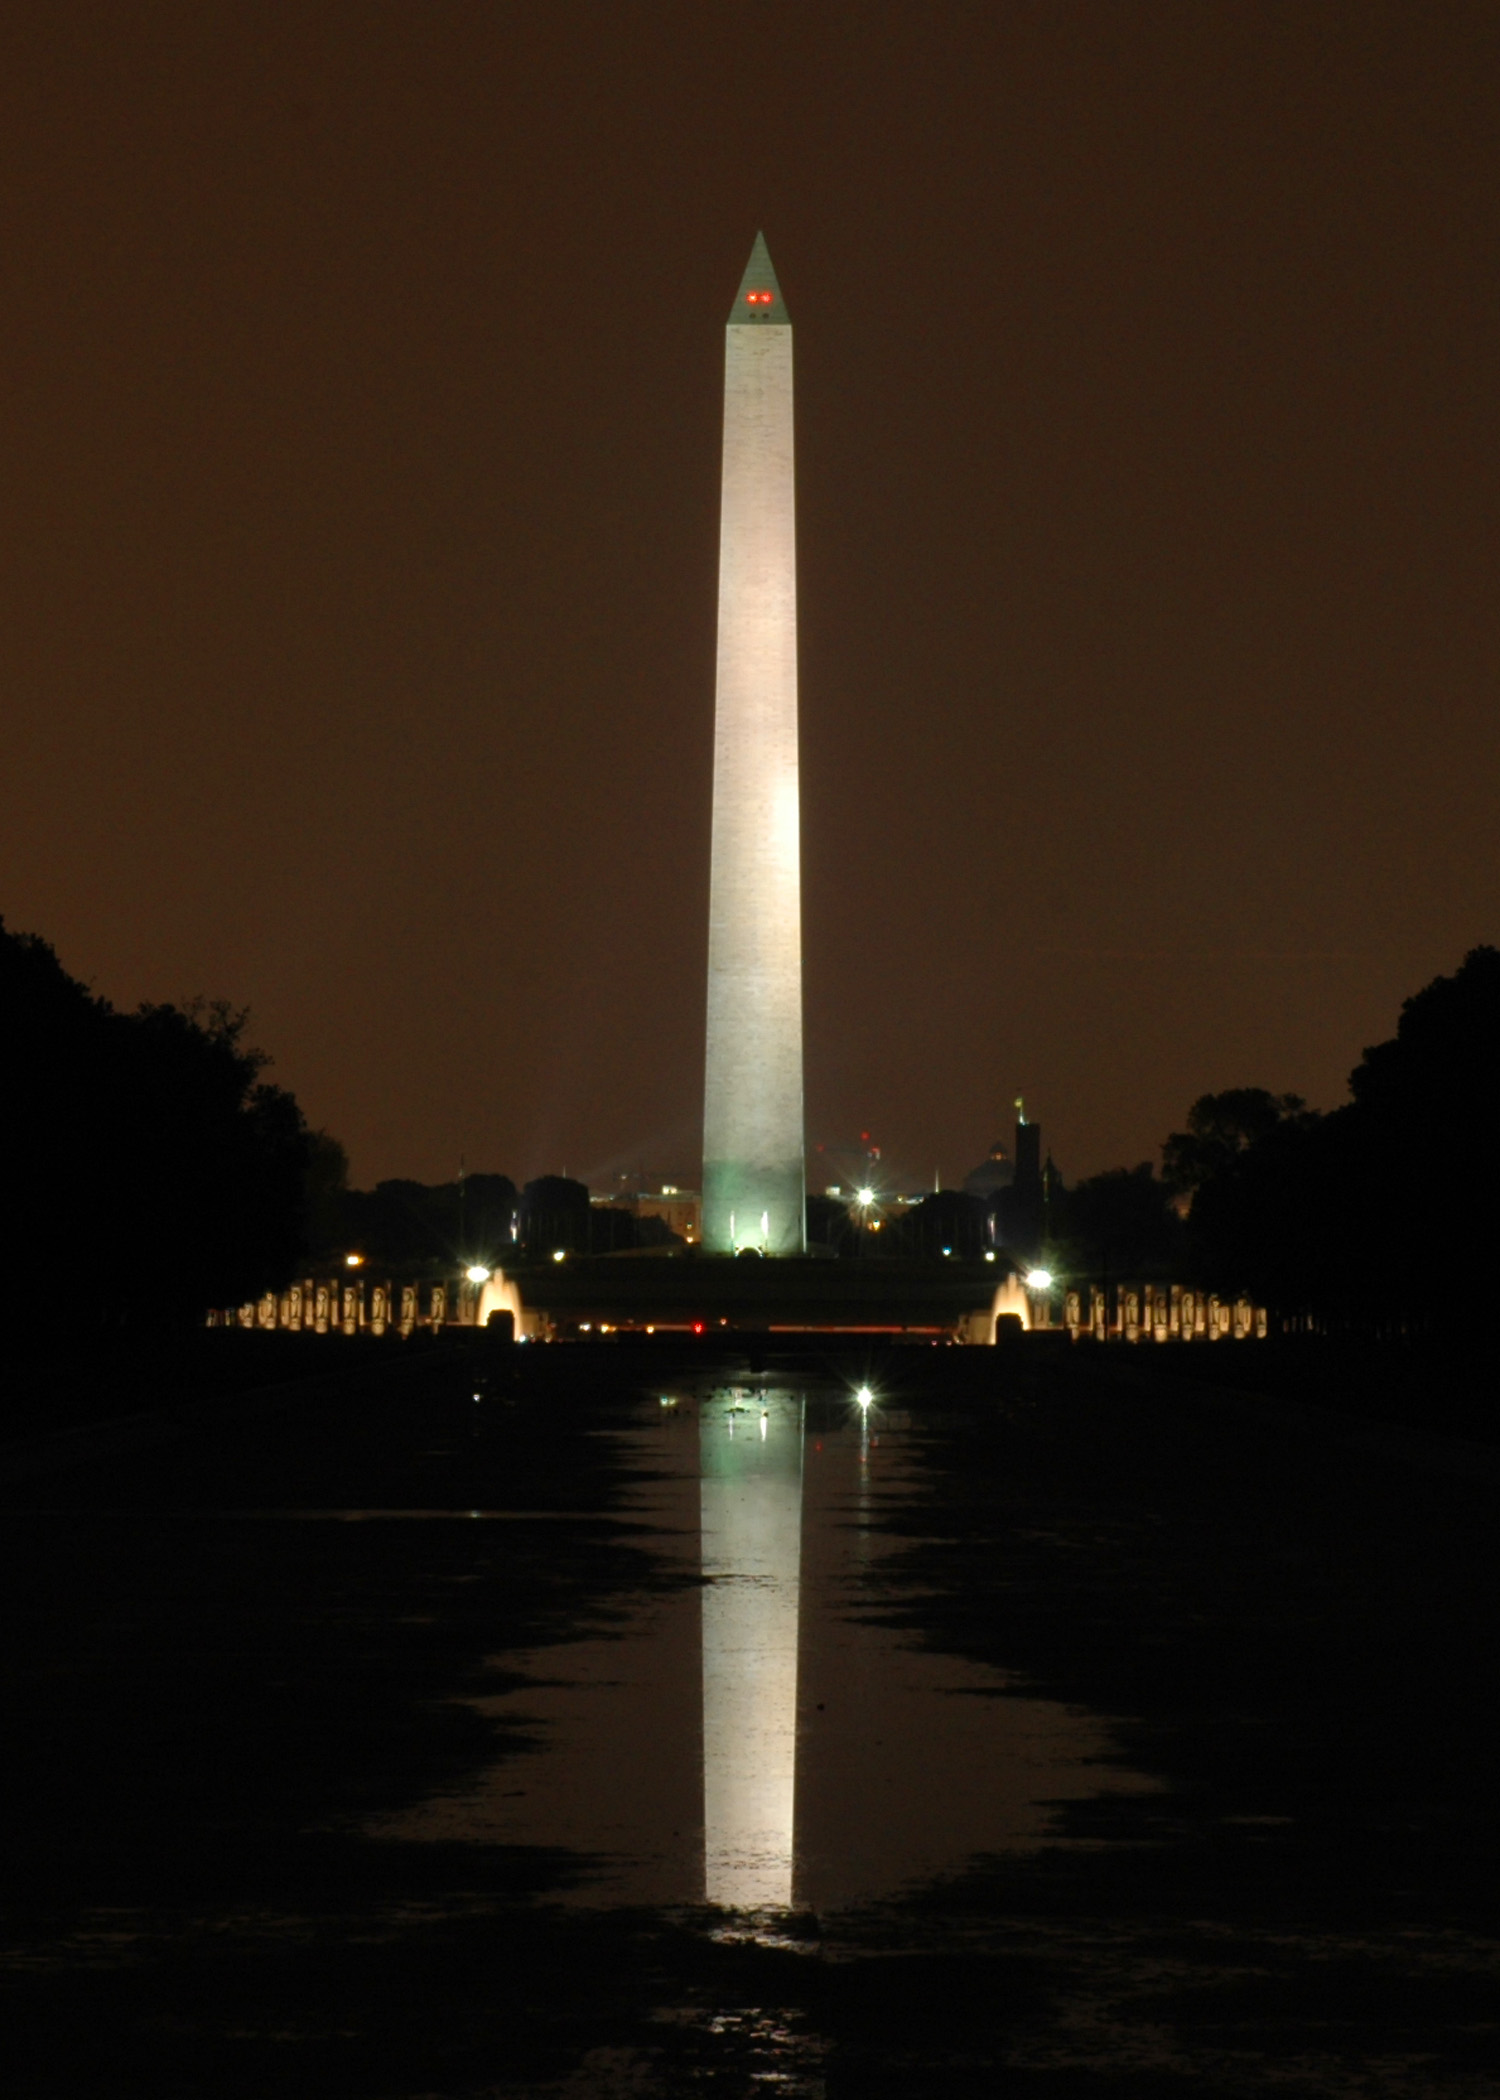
(830, 1225)
(1220, 1127)
(489, 1222)
(612, 1229)
(419, 1228)
(327, 1189)
(1120, 1223)
(148, 1171)
(554, 1214)
(1381, 1216)
(946, 1222)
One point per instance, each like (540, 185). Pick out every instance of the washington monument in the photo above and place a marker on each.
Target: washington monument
(753, 1188)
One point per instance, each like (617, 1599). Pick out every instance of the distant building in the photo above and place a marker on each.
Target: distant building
(1014, 1188)
(679, 1209)
(1027, 1182)
(995, 1172)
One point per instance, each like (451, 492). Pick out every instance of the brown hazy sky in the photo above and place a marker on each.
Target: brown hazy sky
(362, 370)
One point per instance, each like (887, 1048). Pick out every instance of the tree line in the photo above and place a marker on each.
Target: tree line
(150, 1170)
(424, 1228)
(1378, 1217)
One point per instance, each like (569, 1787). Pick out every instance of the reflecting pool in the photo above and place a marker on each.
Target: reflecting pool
(754, 1735)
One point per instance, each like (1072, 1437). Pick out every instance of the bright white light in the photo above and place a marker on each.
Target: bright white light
(990, 1256)
(477, 1275)
(1038, 1279)
(558, 1254)
(354, 1261)
(864, 1195)
(864, 1396)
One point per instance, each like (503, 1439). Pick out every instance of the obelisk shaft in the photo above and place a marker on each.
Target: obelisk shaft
(753, 1185)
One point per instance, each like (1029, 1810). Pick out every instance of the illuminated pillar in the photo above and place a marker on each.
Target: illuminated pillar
(753, 1188)
(751, 1462)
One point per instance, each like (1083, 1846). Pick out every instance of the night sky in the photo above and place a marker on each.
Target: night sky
(362, 376)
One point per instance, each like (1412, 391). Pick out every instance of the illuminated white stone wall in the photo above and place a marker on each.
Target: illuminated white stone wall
(752, 1560)
(753, 1188)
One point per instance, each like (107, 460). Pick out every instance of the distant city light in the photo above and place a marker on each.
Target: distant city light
(354, 1261)
(476, 1274)
(864, 1195)
(990, 1254)
(559, 1254)
(1038, 1279)
(864, 1396)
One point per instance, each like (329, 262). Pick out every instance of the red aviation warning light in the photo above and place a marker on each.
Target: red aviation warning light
(760, 298)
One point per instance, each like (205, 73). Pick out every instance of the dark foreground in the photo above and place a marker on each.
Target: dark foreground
(219, 1690)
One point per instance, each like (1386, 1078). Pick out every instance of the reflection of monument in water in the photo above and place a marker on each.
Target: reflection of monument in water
(837, 1761)
(755, 1735)
(751, 1498)
(753, 1180)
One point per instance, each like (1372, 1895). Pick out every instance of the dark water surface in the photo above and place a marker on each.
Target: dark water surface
(1021, 1730)
(759, 1738)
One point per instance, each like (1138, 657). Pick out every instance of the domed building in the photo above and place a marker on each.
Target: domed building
(995, 1172)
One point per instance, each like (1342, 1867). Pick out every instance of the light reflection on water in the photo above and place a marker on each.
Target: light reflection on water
(759, 1740)
(750, 1460)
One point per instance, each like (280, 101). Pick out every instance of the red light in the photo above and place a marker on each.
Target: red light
(759, 298)
(697, 1327)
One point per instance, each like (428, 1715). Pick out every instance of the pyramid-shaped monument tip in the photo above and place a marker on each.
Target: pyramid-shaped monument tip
(759, 301)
